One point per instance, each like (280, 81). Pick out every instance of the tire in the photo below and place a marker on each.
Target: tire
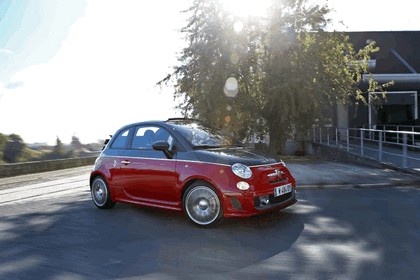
(202, 204)
(101, 196)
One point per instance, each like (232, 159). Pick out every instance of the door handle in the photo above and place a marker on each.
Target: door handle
(126, 162)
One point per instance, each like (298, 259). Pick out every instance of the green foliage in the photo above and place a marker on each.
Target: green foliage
(59, 147)
(58, 151)
(289, 72)
(13, 148)
(75, 142)
(29, 155)
(216, 53)
(3, 141)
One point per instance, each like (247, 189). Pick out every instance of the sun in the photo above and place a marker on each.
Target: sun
(246, 8)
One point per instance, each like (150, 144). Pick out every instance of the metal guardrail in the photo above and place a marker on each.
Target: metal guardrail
(400, 147)
(407, 128)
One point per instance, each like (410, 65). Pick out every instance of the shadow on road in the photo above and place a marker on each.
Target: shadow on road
(75, 240)
(329, 234)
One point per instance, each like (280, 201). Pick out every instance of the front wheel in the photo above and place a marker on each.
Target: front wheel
(202, 204)
(100, 194)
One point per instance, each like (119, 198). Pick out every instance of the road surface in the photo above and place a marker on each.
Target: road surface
(50, 229)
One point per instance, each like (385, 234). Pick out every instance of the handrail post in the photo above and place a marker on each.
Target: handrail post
(348, 140)
(336, 136)
(314, 132)
(320, 135)
(412, 135)
(328, 136)
(361, 143)
(380, 146)
(404, 163)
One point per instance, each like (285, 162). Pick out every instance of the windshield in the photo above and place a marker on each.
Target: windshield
(201, 136)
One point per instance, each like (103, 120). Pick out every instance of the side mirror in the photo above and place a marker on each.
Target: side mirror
(164, 147)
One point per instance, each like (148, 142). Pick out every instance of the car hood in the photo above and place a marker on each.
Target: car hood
(230, 156)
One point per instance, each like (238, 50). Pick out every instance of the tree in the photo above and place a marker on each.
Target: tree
(3, 141)
(275, 76)
(306, 78)
(13, 148)
(58, 150)
(217, 78)
(75, 142)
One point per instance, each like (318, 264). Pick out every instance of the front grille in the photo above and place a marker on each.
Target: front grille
(278, 180)
(273, 201)
(281, 198)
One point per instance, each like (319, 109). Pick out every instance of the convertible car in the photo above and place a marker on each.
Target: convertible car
(184, 165)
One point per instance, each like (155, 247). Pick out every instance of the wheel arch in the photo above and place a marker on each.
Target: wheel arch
(191, 181)
(193, 184)
(95, 174)
(108, 202)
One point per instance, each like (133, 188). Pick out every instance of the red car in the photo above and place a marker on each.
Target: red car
(183, 165)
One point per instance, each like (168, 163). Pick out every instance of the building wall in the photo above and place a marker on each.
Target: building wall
(399, 58)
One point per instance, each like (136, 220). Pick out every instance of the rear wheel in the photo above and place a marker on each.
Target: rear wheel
(100, 193)
(202, 204)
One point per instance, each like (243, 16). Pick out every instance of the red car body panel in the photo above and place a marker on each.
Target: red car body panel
(161, 182)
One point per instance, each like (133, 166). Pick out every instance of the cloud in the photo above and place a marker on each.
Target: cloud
(13, 85)
(6, 52)
(102, 77)
(33, 32)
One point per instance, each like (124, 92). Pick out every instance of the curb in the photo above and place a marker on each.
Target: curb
(323, 152)
(405, 183)
(400, 169)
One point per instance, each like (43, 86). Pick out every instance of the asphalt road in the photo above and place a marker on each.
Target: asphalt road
(50, 229)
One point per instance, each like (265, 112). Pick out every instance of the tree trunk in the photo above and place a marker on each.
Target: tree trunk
(277, 140)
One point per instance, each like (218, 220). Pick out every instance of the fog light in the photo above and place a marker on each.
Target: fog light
(265, 200)
(243, 186)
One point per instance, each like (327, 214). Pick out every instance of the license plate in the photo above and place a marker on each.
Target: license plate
(282, 190)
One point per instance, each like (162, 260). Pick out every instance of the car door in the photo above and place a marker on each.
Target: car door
(151, 177)
(115, 156)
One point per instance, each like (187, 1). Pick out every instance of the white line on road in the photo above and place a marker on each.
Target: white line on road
(66, 186)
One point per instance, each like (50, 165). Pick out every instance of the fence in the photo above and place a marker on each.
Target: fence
(400, 147)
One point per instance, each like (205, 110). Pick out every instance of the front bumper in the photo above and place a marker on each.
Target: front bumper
(255, 204)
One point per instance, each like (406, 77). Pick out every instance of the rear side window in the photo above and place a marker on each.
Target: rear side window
(120, 140)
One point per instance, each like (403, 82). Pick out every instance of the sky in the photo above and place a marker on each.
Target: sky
(87, 67)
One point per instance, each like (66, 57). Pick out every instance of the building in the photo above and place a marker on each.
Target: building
(398, 60)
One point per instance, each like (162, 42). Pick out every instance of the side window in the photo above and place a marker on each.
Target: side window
(144, 137)
(119, 142)
(163, 135)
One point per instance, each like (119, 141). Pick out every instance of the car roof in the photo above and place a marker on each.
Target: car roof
(169, 121)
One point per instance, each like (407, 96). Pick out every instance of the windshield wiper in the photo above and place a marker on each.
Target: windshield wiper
(198, 147)
(234, 146)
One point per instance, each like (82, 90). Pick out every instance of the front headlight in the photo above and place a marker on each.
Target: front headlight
(241, 170)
